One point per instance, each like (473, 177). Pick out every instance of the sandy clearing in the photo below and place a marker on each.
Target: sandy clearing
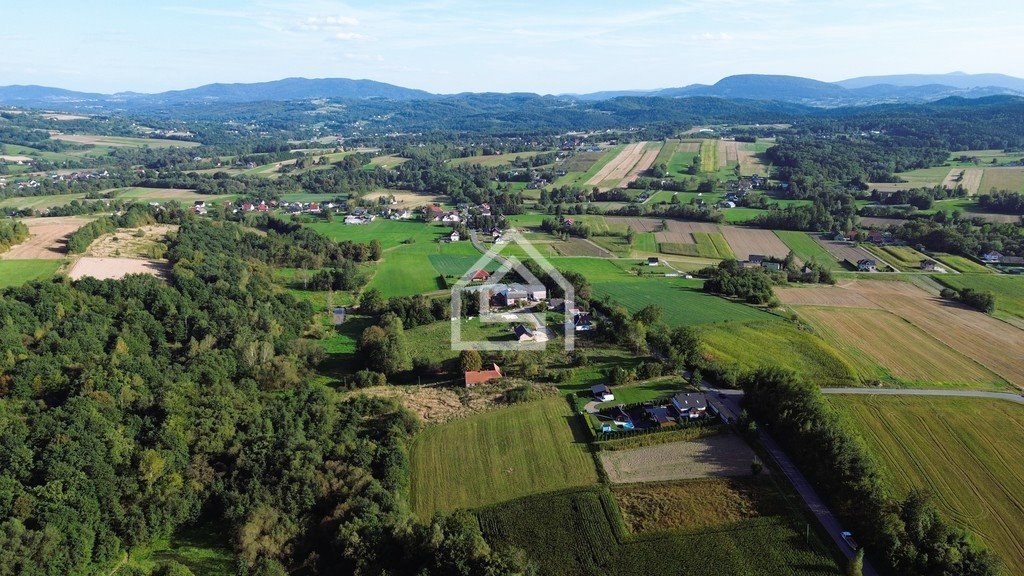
(618, 167)
(995, 344)
(15, 158)
(127, 242)
(47, 239)
(64, 117)
(719, 455)
(969, 178)
(116, 268)
(747, 241)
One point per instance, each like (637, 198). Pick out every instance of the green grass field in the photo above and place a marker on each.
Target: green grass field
(709, 155)
(706, 245)
(1009, 290)
(962, 450)
(807, 249)
(39, 202)
(962, 264)
(755, 344)
(406, 270)
(389, 233)
(17, 272)
(497, 456)
(904, 258)
(580, 533)
(496, 159)
(682, 301)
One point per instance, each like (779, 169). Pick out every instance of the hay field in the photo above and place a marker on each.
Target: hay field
(747, 241)
(728, 153)
(750, 161)
(164, 194)
(614, 172)
(870, 337)
(48, 238)
(116, 268)
(1011, 179)
(709, 156)
(844, 250)
(990, 342)
(807, 249)
(969, 178)
(122, 141)
(962, 450)
(651, 152)
(40, 202)
(718, 455)
(498, 456)
(407, 199)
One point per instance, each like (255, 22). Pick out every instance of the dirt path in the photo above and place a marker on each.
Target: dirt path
(48, 238)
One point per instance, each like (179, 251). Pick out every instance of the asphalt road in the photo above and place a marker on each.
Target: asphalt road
(730, 399)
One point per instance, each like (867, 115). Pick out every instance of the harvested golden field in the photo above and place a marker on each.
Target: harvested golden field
(967, 452)
(617, 168)
(969, 178)
(695, 504)
(750, 163)
(870, 337)
(995, 344)
(747, 241)
(1011, 179)
(720, 455)
(116, 268)
(651, 152)
(728, 153)
(407, 199)
(48, 238)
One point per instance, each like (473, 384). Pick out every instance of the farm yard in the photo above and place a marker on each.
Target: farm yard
(580, 532)
(719, 455)
(869, 338)
(497, 456)
(959, 449)
(116, 268)
(986, 340)
(47, 238)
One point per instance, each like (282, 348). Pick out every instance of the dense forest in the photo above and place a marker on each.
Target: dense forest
(129, 409)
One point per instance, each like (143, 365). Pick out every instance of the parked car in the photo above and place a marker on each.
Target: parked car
(848, 538)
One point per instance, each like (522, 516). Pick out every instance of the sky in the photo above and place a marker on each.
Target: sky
(449, 46)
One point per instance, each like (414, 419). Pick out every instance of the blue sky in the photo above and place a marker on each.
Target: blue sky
(455, 45)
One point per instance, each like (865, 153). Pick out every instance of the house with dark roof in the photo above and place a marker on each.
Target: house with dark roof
(928, 265)
(690, 404)
(867, 265)
(992, 257)
(602, 393)
(523, 334)
(660, 416)
(582, 323)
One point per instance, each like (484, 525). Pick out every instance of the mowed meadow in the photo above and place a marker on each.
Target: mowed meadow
(967, 452)
(498, 456)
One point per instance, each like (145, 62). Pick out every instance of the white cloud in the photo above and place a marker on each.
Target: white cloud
(713, 37)
(348, 36)
(314, 23)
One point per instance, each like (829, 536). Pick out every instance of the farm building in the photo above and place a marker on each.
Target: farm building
(513, 294)
(929, 265)
(582, 323)
(652, 261)
(524, 334)
(480, 276)
(992, 257)
(602, 393)
(482, 376)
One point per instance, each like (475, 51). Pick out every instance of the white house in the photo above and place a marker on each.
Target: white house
(454, 237)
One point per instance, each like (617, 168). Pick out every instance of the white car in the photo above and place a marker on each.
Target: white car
(848, 538)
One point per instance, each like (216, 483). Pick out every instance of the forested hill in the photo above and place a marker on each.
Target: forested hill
(131, 408)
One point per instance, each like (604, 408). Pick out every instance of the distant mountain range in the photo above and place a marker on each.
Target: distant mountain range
(865, 90)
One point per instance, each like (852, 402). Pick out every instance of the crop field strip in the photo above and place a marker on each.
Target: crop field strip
(747, 241)
(682, 302)
(844, 251)
(959, 449)
(709, 156)
(991, 342)
(497, 456)
(580, 532)
(612, 173)
(752, 345)
(651, 151)
(969, 178)
(806, 248)
(1011, 179)
(886, 340)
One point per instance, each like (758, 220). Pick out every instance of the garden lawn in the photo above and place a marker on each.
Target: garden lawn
(389, 233)
(497, 456)
(807, 249)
